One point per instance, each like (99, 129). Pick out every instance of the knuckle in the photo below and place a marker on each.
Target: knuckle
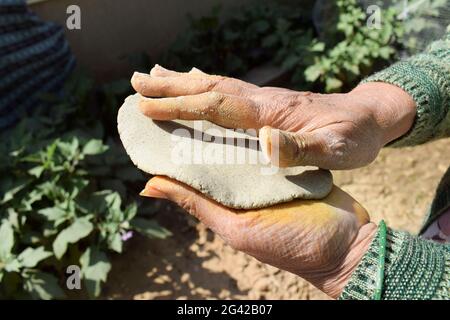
(215, 97)
(188, 203)
(216, 100)
(214, 83)
(302, 99)
(299, 148)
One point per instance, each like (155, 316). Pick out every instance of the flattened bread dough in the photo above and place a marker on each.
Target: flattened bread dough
(178, 149)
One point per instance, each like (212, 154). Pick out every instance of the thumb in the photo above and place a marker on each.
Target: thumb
(215, 216)
(288, 149)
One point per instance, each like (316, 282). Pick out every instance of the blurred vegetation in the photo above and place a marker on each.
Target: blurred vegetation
(233, 42)
(67, 193)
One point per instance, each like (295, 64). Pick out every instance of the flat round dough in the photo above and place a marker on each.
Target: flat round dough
(225, 165)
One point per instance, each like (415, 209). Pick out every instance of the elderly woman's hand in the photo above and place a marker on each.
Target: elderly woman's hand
(332, 131)
(321, 241)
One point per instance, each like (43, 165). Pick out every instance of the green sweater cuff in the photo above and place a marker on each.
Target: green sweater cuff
(414, 269)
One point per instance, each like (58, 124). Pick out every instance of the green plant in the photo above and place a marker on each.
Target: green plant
(422, 20)
(359, 52)
(62, 197)
(234, 41)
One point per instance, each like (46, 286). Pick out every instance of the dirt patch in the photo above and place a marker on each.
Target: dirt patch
(196, 264)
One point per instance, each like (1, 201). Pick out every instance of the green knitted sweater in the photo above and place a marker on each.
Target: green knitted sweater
(415, 268)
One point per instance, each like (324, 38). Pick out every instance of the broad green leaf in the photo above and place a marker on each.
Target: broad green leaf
(94, 146)
(30, 257)
(150, 228)
(30, 198)
(48, 188)
(9, 188)
(95, 202)
(6, 240)
(332, 84)
(115, 243)
(113, 202)
(44, 286)
(95, 267)
(78, 230)
(14, 219)
(53, 213)
(13, 265)
(68, 149)
(36, 171)
(385, 52)
(130, 211)
(312, 73)
(317, 47)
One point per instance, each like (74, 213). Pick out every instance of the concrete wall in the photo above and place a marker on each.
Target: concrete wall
(113, 29)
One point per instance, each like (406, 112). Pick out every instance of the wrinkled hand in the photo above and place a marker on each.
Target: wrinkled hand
(321, 241)
(331, 131)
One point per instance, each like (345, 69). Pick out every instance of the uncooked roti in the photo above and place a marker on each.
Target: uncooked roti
(225, 165)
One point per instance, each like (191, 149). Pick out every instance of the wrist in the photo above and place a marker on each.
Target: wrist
(334, 282)
(393, 109)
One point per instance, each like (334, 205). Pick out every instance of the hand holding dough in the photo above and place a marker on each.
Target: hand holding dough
(331, 131)
(321, 241)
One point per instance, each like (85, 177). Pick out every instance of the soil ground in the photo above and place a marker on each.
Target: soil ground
(196, 264)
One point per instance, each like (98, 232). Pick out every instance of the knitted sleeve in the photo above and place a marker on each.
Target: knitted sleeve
(415, 269)
(426, 77)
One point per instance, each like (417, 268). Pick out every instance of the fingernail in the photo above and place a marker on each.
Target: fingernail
(135, 77)
(152, 192)
(265, 142)
(158, 66)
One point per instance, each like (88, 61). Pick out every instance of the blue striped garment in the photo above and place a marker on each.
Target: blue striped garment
(35, 58)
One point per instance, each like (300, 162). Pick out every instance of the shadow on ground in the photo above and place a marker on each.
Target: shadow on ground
(170, 268)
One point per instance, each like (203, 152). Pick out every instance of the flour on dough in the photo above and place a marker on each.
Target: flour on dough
(223, 164)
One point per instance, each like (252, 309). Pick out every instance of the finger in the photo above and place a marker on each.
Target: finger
(158, 71)
(199, 72)
(222, 109)
(170, 86)
(215, 216)
(183, 84)
(225, 82)
(287, 149)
